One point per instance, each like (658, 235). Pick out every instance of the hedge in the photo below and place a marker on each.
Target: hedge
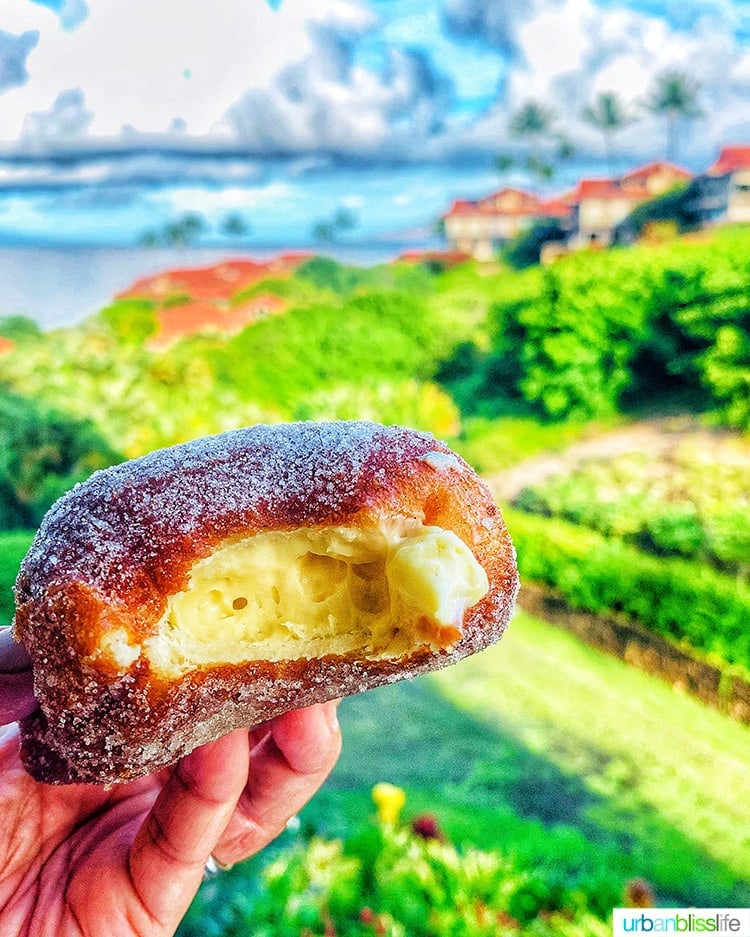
(685, 602)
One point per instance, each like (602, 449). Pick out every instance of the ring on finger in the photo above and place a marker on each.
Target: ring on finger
(214, 867)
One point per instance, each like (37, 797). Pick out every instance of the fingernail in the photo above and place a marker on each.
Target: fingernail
(330, 711)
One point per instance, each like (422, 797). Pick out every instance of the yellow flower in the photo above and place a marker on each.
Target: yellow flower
(389, 801)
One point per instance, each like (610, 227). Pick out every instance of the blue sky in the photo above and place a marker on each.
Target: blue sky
(307, 92)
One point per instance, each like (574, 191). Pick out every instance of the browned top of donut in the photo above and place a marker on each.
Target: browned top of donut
(132, 531)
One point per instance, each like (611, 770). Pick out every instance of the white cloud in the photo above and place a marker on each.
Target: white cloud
(65, 122)
(353, 201)
(293, 81)
(14, 50)
(493, 21)
(570, 51)
(328, 102)
(144, 63)
(71, 12)
(285, 81)
(207, 201)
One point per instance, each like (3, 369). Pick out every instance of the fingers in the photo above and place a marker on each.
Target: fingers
(210, 806)
(169, 854)
(16, 682)
(286, 768)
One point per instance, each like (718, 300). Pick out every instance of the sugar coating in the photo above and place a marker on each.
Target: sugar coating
(145, 514)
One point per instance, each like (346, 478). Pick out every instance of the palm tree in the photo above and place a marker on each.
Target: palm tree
(234, 225)
(674, 97)
(607, 114)
(533, 122)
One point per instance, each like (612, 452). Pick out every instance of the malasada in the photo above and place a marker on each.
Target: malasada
(214, 584)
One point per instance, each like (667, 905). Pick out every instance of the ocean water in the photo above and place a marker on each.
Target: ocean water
(69, 228)
(62, 286)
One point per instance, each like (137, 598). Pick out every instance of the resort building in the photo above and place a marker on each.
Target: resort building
(732, 174)
(590, 213)
(480, 228)
(599, 205)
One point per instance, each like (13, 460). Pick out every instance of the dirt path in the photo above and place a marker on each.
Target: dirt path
(657, 436)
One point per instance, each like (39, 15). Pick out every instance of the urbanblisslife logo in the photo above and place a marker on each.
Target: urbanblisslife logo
(688, 922)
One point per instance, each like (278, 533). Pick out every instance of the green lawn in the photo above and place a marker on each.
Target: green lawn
(547, 746)
(566, 762)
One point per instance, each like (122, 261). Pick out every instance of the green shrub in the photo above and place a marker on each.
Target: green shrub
(329, 275)
(596, 329)
(691, 501)
(726, 369)
(376, 336)
(495, 445)
(526, 248)
(42, 454)
(387, 880)
(418, 404)
(682, 601)
(19, 329)
(676, 205)
(138, 400)
(133, 321)
(13, 547)
(295, 290)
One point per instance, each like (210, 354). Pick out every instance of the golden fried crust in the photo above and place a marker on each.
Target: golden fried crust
(112, 551)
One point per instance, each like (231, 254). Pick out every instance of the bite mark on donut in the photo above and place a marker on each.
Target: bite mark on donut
(377, 592)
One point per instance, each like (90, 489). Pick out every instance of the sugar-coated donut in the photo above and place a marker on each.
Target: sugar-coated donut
(215, 584)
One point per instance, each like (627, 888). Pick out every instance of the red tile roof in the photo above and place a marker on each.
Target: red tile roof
(555, 207)
(529, 205)
(644, 173)
(632, 185)
(530, 198)
(461, 207)
(6, 345)
(217, 282)
(731, 159)
(448, 257)
(179, 321)
(200, 300)
(603, 188)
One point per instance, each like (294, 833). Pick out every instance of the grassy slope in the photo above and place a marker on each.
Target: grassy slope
(546, 746)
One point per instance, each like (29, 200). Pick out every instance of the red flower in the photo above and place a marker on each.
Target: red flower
(426, 826)
(639, 894)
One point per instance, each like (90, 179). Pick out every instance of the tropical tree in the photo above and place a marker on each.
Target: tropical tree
(504, 163)
(608, 114)
(186, 230)
(534, 122)
(674, 96)
(329, 229)
(182, 232)
(234, 225)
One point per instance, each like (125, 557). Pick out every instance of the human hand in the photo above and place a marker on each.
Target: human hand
(82, 861)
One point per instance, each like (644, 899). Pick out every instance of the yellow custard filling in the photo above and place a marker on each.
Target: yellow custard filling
(377, 593)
